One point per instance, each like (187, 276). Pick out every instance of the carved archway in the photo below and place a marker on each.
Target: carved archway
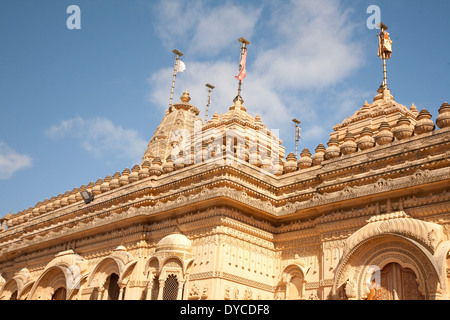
(443, 261)
(10, 291)
(66, 271)
(18, 287)
(171, 260)
(293, 280)
(48, 283)
(152, 270)
(120, 263)
(408, 242)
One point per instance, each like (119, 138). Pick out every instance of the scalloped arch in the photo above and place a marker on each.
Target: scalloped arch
(430, 235)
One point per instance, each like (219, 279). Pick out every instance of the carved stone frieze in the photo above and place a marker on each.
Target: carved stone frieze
(230, 218)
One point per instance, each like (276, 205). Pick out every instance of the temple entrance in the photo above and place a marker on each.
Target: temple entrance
(397, 283)
(60, 294)
(113, 287)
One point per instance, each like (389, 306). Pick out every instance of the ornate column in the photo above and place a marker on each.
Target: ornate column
(148, 296)
(161, 289)
(101, 291)
(287, 281)
(303, 294)
(180, 290)
(121, 291)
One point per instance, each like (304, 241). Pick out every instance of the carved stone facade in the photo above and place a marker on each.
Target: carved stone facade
(216, 211)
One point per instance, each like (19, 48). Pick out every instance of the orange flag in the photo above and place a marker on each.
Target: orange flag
(242, 71)
(384, 45)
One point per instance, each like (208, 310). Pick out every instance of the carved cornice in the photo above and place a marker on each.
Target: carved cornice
(245, 187)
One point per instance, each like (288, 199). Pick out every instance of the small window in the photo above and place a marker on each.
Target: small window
(171, 288)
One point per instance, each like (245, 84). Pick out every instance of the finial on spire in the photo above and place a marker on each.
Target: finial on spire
(185, 97)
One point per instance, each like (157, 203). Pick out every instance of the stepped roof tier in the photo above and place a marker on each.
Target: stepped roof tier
(245, 139)
(383, 109)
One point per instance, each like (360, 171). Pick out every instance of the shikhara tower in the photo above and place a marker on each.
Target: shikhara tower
(216, 210)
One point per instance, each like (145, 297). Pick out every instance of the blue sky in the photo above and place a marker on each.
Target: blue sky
(77, 105)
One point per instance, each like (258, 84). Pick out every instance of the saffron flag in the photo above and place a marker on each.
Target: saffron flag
(384, 45)
(180, 66)
(242, 71)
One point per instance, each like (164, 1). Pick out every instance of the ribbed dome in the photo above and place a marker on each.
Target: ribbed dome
(174, 241)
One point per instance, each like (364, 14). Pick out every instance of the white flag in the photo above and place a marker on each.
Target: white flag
(298, 133)
(180, 66)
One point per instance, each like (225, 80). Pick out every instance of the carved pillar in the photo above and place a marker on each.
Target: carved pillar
(161, 289)
(186, 286)
(287, 281)
(180, 290)
(101, 290)
(435, 296)
(121, 291)
(303, 294)
(148, 296)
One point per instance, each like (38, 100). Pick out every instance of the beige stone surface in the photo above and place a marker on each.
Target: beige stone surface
(218, 211)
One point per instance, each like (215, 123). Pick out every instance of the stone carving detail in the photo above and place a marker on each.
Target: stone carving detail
(375, 196)
(227, 295)
(248, 294)
(194, 293)
(350, 290)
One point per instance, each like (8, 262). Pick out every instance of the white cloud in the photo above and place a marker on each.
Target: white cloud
(203, 29)
(11, 161)
(100, 137)
(221, 27)
(314, 47)
(302, 48)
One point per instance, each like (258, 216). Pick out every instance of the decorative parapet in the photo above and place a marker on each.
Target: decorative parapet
(274, 197)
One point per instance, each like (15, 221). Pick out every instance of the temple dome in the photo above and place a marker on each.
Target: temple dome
(174, 242)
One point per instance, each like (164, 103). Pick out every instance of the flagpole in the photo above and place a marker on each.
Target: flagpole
(297, 122)
(383, 27)
(244, 42)
(178, 54)
(210, 87)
